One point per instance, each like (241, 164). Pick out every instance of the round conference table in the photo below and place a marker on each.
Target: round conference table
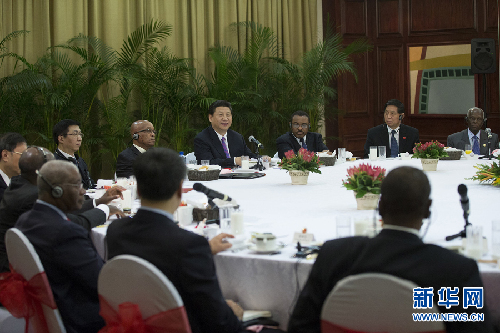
(272, 204)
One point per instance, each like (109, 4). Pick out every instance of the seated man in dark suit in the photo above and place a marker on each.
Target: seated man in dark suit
(219, 144)
(68, 139)
(397, 250)
(23, 192)
(300, 137)
(143, 137)
(12, 146)
(474, 135)
(184, 257)
(66, 251)
(394, 135)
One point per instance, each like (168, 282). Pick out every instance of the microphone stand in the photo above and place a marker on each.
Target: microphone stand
(487, 147)
(463, 233)
(259, 166)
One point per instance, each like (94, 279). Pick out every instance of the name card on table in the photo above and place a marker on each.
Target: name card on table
(303, 237)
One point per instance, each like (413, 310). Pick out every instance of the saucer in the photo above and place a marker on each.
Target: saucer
(253, 248)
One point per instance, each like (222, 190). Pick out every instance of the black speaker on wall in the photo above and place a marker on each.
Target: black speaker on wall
(483, 59)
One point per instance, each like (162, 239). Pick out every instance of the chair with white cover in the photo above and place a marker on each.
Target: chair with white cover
(374, 302)
(132, 291)
(26, 265)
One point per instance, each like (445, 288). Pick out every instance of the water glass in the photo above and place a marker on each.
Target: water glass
(245, 162)
(495, 239)
(341, 155)
(343, 226)
(237, 227)
(225, 218)
(474, 242)
(381, 152)
(205, 162)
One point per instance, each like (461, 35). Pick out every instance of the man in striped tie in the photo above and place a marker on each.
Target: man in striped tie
(219, 144)
(474, 135)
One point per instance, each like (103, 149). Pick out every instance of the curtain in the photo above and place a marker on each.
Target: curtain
(197, 24)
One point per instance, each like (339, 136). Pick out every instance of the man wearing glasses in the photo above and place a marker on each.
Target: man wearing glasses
(143, 137)
(474, 135)
(300, 137)
(12, 146)
(68, 139)
(395, 136)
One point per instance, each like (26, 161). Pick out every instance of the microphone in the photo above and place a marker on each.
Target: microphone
(254, 140)
(211, 194)
(464, 199)
(488, 131)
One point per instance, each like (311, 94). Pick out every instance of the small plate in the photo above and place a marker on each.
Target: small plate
(253, 248)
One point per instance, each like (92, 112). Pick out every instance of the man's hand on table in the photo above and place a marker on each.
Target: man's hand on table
(111, 194)
(238, 310)
(218, 244)
(113, 210)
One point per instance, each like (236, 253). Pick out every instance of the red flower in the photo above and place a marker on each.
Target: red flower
(290, 154)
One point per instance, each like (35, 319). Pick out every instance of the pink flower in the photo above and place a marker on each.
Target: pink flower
(290, 154)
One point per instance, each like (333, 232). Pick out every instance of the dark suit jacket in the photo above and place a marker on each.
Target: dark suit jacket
(397, 253)
(378, 136)
(82, 167)
(287, 141)
(125, 161)
(20, 197)
(185, 258)
(3, 187)
(71, 263)
(460, 139)
(207, 146)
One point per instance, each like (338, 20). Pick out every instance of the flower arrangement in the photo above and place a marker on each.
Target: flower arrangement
(364, 178)
(303, 161)
(488, 173)
(431, 149)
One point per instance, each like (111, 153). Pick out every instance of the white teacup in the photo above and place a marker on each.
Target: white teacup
(265, 242)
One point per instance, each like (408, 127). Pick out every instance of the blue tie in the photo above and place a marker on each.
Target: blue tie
(303, 143)
(475, 145)
(394, 145)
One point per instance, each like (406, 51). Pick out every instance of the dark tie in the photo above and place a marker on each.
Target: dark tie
(475, 145)
(303, 143)
(394, 145)
(224, 146)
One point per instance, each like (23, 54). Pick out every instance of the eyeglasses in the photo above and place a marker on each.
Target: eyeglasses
(79, 133)
(16, 152)
(147, 130)
(295, 125)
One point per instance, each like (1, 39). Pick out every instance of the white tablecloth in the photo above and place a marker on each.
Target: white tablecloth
(272, 204)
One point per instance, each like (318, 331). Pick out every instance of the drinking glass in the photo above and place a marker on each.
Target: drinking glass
(237, 227)
(343, 226)
(205, 162)
(373, 153)
(474, 242)
(225, 218)
(341, 153)
(381, 152)
(468, 149)
(495, 239)
(245, 162)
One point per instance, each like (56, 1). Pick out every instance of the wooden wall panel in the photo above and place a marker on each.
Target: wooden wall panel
(434, 16)
(491, 22)
(390, 70)
(354, 16)
(389, 18)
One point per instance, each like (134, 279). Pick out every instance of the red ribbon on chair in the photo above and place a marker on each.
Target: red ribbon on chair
(24, 299)
(128, 319)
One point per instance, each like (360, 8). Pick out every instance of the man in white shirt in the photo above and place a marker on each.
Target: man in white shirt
(143, 137)
(12, 146)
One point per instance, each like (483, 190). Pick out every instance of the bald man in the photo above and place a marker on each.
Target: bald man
(143, 137)
(65, 249)
(23, 192)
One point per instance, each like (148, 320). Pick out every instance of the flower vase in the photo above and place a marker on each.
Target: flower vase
(298, 177)
(368, 201)
(429, 164)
